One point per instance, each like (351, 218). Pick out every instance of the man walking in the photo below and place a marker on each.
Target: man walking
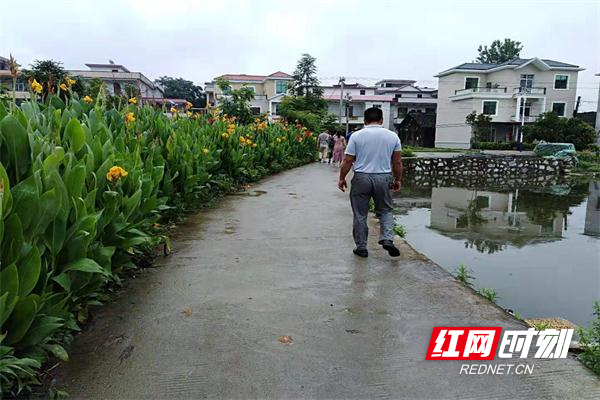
(323, 143)
(375, 153)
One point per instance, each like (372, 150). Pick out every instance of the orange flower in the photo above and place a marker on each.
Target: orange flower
(116, 173)
(130, 117)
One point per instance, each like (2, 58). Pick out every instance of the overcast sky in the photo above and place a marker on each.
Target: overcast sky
(361, 39)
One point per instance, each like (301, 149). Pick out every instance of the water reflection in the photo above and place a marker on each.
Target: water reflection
(538, 246)
(489, 221)
(592, 211)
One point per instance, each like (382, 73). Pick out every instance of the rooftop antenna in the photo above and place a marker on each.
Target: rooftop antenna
(111, 61)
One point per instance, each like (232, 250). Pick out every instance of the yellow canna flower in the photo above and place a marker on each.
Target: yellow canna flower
(71, 82)
(133, 100)
(205, 151)
(130, 117)
(188, 105)
(88, 99)
(173, 110)
(188, 113)
(116, 173)
(35, 86)
(63, 87)
(253, 145)
(242, 140)
(224, 135)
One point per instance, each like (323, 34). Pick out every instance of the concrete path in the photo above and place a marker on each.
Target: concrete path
(205, 322)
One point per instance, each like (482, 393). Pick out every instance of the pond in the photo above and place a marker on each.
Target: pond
(538, 247)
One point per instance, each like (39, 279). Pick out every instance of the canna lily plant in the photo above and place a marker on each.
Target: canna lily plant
(83, 191)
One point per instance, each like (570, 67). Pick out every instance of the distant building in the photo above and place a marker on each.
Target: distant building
(117, 77)
(512, 93)
(396, 98)
(417, 129)
(598, 114)
(21, 91)
(269, 90)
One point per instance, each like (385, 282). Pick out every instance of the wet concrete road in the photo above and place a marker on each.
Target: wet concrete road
(205, 322)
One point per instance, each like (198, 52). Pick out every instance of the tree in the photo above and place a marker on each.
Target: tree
(499, 52)
(237, 102)
(554, 129)
(48, 73)
(180, 88)
(480, 127)
(306, 82)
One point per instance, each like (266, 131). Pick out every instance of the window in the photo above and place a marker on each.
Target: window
(377, 105)
(20, 87)
(250, 87)
(275, 108)
(419, 96)
(561, 82)
(363, 92)
(389, 85)
(430, 110)
(350, 111)
(471, 82)
(402, 111)
(399, 95)
(525, 110)
(255, 110)
(559, 109)
(281, 87)
(482, 202)
(490, 107)
(488, 85)
(526, 81)
(226, 91)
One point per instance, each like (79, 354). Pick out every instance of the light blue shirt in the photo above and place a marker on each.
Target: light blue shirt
(373, 147)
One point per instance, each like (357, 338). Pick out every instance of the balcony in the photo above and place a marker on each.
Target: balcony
(480, 90)
(527, 91)
(527, 118)
(352, 120)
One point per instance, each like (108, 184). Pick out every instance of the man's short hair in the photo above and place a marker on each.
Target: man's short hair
(373, 114)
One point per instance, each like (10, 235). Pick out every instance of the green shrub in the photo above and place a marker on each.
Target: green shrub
(489, 293)
(501, 146)
(590, 341)
(400, 230)
(82, 189)
(463, 275)
(406, 152)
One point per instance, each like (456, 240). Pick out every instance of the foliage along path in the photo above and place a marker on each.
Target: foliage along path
(213, 319)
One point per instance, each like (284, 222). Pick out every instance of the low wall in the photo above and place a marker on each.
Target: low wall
(474, 170)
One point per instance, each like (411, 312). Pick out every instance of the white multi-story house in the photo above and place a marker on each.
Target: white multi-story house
(395, 97)
(116, 77)
(512, 94)
(268, 90)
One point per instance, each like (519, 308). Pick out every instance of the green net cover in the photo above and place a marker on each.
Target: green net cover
(555, 150)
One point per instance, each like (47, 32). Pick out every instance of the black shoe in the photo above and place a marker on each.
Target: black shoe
(361, 252)
(390, 247)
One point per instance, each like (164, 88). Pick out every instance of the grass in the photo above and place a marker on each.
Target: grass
(489, 293)
(463, 275)
(588, 162)
(400, 230)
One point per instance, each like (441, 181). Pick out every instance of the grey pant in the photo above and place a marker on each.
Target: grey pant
(364, 187)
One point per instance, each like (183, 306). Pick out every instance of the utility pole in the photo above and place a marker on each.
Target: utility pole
(576, 109)
(341, 82)
(349, 99)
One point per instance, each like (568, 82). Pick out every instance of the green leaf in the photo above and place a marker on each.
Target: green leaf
(29, 271)
(6, 201)
(58, 351)
(131, 203)
(12, 243)
(75, 180)
(64, 281)
(41, 329)
(21, 318)
(15, 149)
(27, 204)
(84, 265)
(75, 134)
(54, 159)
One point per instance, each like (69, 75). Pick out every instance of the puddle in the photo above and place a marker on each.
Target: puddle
(253, 193)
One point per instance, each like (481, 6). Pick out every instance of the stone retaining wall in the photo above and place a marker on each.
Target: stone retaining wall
(488, 166)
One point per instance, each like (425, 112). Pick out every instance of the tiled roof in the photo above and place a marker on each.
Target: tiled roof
(514, 61)
(280, 74)
(244, 77)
